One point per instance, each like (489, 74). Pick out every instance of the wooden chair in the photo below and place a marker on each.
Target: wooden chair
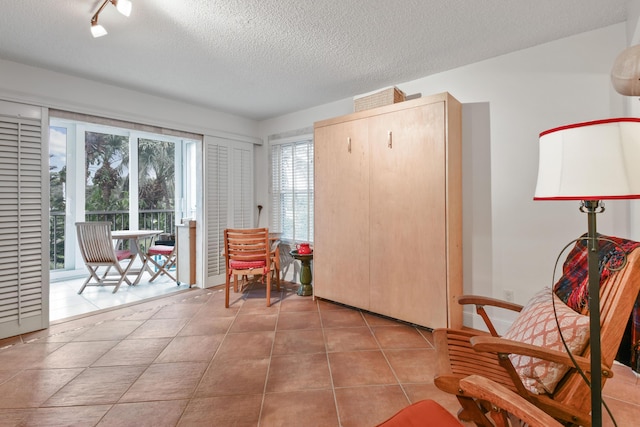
(97, 249)
(247, 251)
(504, 403)
(461, 353)
(275, 258)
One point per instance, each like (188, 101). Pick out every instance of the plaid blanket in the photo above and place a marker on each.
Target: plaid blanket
(573, 289)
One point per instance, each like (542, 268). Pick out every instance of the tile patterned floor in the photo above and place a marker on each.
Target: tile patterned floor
(185, 360)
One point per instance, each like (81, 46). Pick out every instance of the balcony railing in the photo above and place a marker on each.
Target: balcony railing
(160, 219)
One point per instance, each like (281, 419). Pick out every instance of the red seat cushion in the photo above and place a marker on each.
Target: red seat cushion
(160, 250)
(424, 413)
(243, 265)
(122, 254)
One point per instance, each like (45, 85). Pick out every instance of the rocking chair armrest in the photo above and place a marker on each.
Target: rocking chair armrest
(506, 347)
(493, 302)
(486, 389)
(480, 302)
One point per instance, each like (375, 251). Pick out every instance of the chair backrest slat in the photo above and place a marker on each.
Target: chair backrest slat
(247, 244)
(96, 243)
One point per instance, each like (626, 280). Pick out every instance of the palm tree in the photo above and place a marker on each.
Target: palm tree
(156, 174)
(108, 185)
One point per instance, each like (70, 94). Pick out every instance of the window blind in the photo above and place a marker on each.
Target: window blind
(292, 190)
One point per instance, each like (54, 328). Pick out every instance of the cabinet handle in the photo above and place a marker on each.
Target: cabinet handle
(349, 144)
(389, 140)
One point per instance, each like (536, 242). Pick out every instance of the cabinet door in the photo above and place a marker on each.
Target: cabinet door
(341, 229)
(408, 215)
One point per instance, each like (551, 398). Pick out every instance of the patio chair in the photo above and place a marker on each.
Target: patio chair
(164, 258)
(247, 251)
(287, 261)
(97, 249)
(461, 353)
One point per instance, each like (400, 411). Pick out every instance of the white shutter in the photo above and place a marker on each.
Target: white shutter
(241, 188)
(228, 175)
(216, 176)
(24, 191)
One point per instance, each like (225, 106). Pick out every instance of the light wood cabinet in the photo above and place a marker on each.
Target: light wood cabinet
(388, 210)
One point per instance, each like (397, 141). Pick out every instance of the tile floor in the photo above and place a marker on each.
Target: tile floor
(183, 359)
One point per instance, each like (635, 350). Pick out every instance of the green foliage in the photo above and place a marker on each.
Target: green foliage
(156, 174)
(57, 181)
(106, 188)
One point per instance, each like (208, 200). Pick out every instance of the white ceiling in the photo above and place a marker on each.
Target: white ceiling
(264, 58)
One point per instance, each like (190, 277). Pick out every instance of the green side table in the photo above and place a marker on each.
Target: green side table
(305, 288)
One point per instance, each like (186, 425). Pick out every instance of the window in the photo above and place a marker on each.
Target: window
(292, 189)
(106, 171)
(57, 201)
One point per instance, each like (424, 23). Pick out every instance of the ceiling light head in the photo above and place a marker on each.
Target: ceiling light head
(97, 30)
(123, 6)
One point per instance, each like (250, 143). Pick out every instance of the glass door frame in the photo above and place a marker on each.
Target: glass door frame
(76, 182)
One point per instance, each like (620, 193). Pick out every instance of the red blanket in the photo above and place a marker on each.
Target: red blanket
(573, 289)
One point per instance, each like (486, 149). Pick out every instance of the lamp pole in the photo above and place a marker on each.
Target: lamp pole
(591, 207)
(569, 155)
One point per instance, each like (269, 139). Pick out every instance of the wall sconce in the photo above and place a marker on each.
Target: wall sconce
(123, 6)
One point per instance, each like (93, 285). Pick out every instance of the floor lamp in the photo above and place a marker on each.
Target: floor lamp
(591, 162)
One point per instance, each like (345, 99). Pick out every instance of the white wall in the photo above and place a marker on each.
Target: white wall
(25, 84)
(529, 91)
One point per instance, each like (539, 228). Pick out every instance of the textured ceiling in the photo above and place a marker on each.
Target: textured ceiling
(261, 59)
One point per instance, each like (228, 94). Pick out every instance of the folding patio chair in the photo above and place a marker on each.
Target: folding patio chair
(163, 257)
(97, 249)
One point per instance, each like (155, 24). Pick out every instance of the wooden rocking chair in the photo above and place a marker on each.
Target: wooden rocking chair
(504, 403)
(461, 353)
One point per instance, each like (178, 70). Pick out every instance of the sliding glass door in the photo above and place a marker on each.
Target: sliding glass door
(134, 179)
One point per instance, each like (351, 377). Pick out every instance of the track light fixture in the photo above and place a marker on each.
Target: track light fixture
(123, 6)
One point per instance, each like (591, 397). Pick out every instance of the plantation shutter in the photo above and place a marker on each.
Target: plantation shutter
(228, 177)
(24, 191)
(241, 188)
(216, 178)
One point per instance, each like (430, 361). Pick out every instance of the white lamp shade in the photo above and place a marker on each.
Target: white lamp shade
(590, 161)
(98, 30)
(124, 7)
